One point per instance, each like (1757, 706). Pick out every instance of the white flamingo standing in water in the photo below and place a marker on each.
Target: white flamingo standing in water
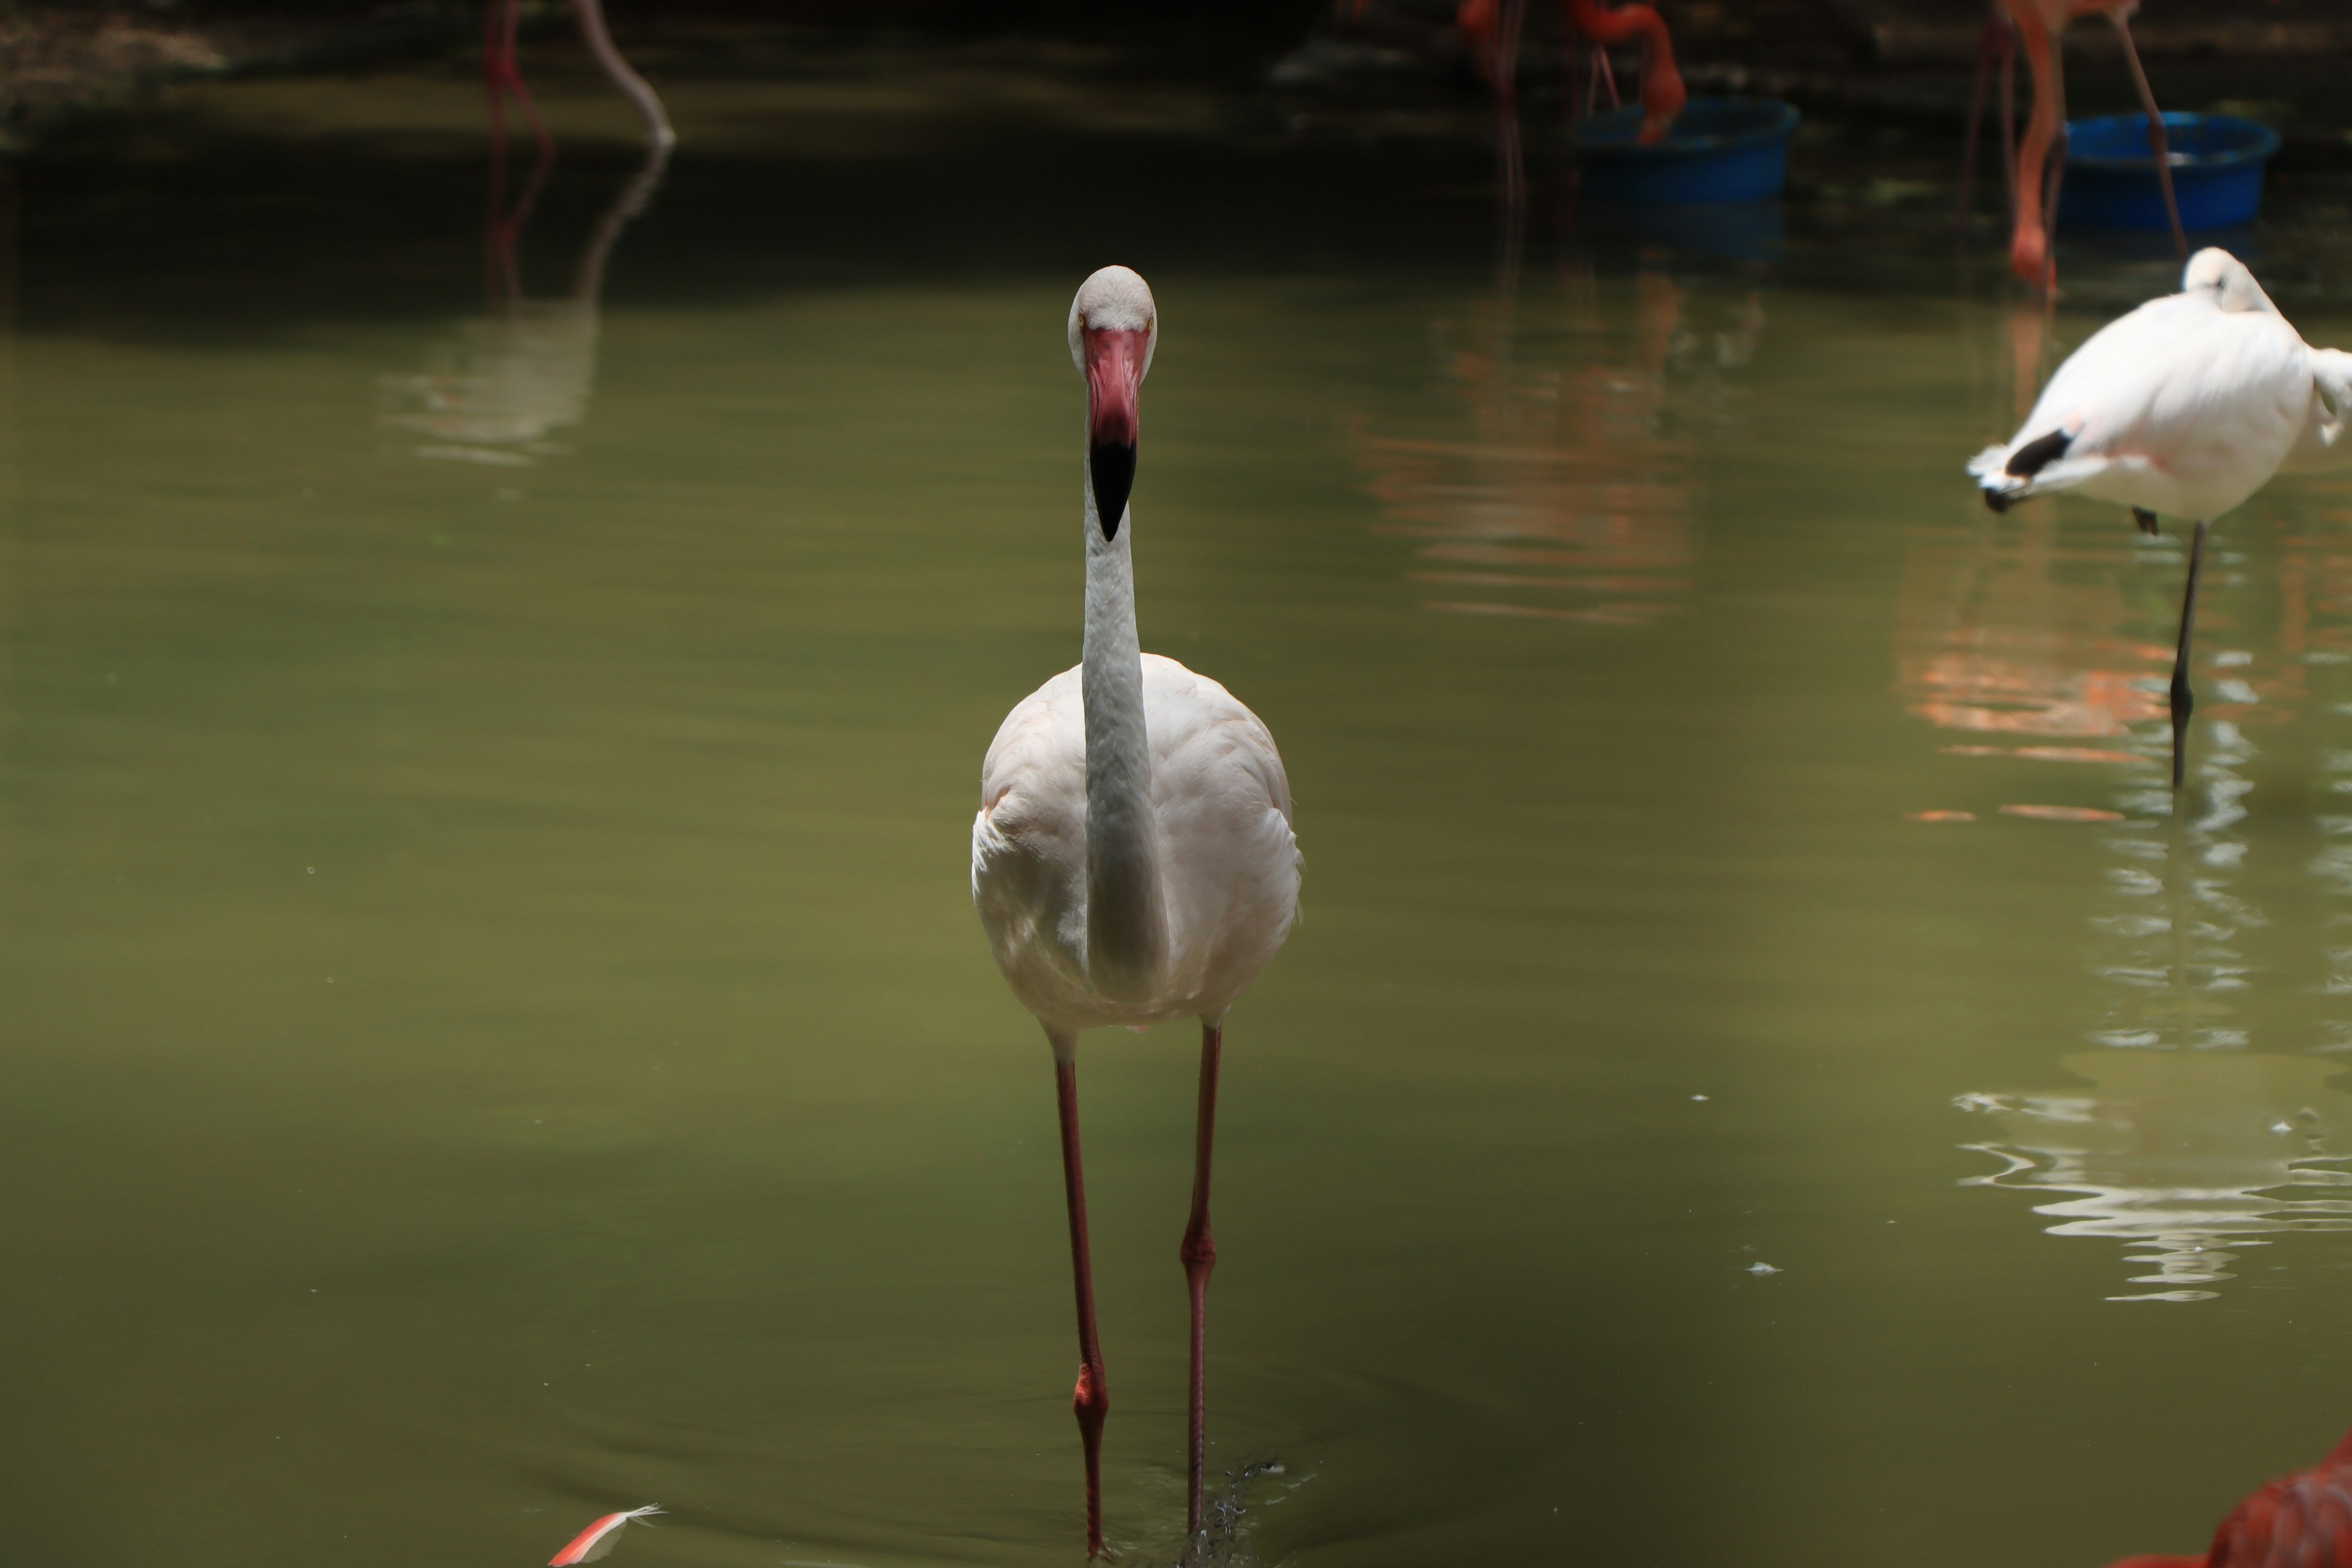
(2187, 406)
(1133, 858)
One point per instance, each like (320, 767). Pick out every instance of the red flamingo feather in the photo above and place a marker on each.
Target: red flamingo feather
(598, 1539)
(2299, 1520)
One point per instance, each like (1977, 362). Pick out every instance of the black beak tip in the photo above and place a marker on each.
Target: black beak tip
(1112, 464)
(1996, 501)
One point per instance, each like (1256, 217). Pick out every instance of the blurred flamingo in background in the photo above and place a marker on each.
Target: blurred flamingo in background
(2299, 1520)
(1491, 28)
(503, 74)
(2039, 25)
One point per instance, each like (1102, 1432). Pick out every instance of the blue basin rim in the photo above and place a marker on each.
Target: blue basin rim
(1721, 125)
(2242, 141)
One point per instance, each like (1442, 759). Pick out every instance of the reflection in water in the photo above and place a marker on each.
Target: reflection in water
(2003, 633)
(2180, 1154)
(1561, 488)
(494, 392)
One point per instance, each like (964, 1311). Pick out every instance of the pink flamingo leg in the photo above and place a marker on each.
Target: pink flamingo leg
(1092, 1397)
(502, 73)
(2158, 146)
(634, 86)
(1995, 48)
(1199, 1254)
(2029, 241)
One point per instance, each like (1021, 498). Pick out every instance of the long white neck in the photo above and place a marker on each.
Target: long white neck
(1127, 916)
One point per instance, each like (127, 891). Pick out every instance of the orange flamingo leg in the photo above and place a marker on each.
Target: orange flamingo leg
(2029, 242)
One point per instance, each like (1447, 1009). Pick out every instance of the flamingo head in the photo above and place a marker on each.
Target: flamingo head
(1113, 328)
(2216, 273)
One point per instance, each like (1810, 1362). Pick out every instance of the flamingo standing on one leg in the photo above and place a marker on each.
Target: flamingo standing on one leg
(2304, 1519)
(1133, 860)
(503, 73)
(2187, 406)
(2039, 25)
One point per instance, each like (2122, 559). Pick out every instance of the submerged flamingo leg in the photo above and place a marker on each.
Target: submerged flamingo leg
(2182, 703)
(1092, 1398)
(1200, 1256)
(2159, 148)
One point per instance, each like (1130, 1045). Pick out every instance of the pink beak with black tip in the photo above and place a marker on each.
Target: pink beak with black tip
(1114, 361)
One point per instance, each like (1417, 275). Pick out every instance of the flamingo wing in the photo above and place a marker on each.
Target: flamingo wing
(1029, 840)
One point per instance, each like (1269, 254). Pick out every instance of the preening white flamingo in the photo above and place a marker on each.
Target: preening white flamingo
(2187, 406)
(1133, 859)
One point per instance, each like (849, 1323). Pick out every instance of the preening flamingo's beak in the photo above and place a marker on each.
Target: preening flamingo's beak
(1114, 381)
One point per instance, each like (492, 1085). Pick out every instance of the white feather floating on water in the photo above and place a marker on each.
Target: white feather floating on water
(599, 1538)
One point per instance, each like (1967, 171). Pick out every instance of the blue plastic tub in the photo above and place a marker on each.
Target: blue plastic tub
(2217, 171)
(1720, 150)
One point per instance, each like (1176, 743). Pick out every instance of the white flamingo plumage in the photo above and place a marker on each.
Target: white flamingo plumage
(2187, 406)
(1132, 860)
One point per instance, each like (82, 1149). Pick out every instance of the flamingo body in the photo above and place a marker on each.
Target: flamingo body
(1220, 804)
(2185, 406)
(2299, 1520)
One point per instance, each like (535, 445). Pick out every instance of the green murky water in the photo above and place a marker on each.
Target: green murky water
(495, 1029)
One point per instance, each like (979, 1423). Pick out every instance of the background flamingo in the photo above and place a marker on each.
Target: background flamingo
(1133, 860)
(1492, 27)
(502, 73)
(2033, 187)
(2303, 1519)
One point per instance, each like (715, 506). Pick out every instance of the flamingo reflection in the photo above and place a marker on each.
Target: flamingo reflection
(1560, 489)
(2185, 1157)
(494, 391)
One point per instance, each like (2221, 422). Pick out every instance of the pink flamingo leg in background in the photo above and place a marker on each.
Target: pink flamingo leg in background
(2040, 24)
(502, 76)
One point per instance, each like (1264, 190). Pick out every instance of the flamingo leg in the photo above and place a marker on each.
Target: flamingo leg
(2182, 703)
(1092, 1398)
(1505, 68)
(1200, 1256)
(2007, 112)
(1976, 125)
(2059, 143)
(637, 89)
(502, 73)
(493, 81)
(2158, 147)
